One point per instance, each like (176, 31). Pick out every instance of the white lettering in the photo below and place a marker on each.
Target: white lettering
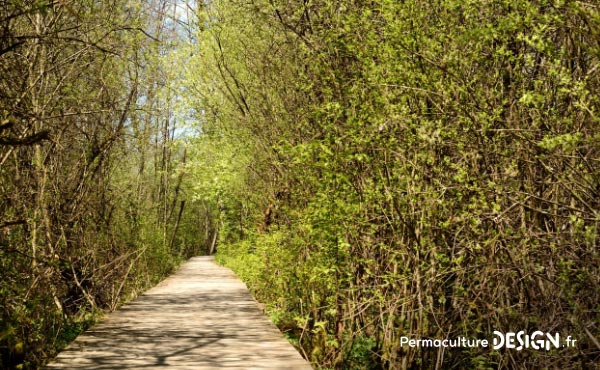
(554, 340)
(510, 340)
(537, 344)
(498, 340)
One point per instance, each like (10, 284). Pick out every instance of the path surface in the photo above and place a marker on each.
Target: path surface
(202, 317)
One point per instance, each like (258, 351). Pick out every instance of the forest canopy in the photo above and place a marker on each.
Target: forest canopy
(420, 169)
(376, 171)
(93, 206)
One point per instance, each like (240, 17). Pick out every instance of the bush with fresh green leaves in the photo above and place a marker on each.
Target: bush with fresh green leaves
(409, 168)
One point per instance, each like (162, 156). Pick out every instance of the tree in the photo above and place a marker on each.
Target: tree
(431, 168)
(87, 158)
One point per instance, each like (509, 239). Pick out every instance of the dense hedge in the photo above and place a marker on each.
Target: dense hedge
(426, 169)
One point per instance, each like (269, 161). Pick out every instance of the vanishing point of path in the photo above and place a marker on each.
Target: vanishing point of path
(202, 317)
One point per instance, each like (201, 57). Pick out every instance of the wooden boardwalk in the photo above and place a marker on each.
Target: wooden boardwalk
(202, 317)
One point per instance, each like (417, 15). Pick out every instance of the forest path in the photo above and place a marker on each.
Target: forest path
(202, 317)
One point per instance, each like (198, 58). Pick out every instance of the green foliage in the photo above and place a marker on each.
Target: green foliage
(94, 204)
(421, 169)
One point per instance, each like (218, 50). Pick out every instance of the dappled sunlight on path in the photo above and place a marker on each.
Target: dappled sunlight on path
(202, 317)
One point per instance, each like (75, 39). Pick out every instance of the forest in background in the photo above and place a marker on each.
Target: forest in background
(93, 204)
(415, 168)
(372, 169)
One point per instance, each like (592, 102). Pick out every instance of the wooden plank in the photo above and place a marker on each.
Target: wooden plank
(202, 317)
